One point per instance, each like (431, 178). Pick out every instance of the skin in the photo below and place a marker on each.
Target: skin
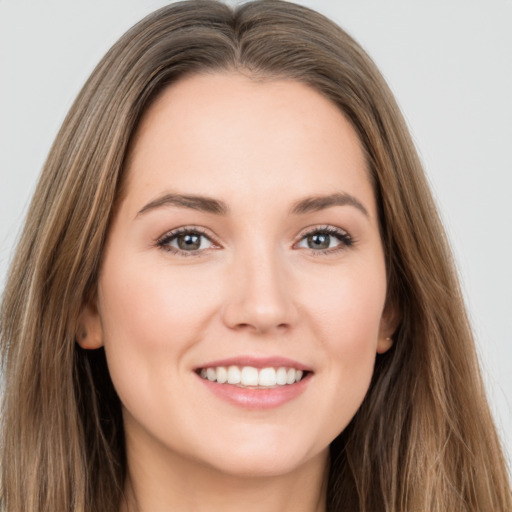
(255, 287)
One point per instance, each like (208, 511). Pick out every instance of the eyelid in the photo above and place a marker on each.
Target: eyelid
(322, 227)
(345, 238)
(163, 241)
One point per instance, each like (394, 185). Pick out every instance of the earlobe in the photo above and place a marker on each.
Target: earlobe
(89, 332)
(384, 344)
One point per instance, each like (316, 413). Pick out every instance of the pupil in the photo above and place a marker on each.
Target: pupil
(189, 242)
(318, 241)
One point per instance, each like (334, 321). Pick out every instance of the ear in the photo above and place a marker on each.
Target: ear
(388, 325)
(89, 333)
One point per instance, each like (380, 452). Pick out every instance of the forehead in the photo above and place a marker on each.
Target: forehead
(226, 132)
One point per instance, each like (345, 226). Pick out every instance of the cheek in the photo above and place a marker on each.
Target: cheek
(146, 307)
(349, 309)
(348, 318)
(151, 317)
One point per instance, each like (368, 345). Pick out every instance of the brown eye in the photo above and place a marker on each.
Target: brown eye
(190, 242)
(185, 241)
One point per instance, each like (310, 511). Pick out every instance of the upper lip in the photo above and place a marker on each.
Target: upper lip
(258, 362)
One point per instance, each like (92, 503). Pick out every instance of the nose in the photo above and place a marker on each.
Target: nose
(260, 295)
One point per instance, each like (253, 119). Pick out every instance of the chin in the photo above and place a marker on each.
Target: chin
(263, 457)
(260, 466)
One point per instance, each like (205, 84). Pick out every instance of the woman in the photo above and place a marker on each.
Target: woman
(233, 291)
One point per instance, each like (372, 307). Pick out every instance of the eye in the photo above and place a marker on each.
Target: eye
(325, 240)
(186, 241)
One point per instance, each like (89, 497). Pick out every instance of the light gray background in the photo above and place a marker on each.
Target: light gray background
(449, 63)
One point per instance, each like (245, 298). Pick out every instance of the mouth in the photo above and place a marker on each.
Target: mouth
(250, 377)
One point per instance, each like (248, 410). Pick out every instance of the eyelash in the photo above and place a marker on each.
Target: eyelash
(165, 240)
(346, 241)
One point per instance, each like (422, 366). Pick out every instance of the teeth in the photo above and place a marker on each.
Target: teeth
(290, 376)
(234, 375)
(222, 375)
(281, 376)
(248, 376)
(267, 377)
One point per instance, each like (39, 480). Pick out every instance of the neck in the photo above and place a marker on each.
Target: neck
(171, 482)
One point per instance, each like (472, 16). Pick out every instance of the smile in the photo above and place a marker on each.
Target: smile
(251, 377)
(255, 383)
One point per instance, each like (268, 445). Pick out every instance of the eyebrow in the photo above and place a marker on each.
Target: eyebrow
(193, 202)
(218, 207)
(317, 203)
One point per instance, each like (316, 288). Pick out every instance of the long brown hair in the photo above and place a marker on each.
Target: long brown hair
(423, 438)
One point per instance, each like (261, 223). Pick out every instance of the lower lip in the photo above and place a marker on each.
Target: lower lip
(257, 398)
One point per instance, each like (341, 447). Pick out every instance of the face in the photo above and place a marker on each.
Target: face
(242, 288)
